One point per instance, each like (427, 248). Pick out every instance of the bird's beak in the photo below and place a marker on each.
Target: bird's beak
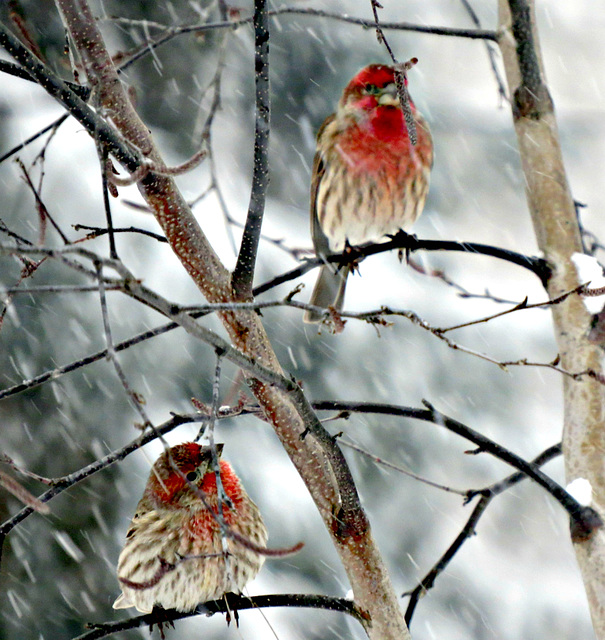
(388, 96)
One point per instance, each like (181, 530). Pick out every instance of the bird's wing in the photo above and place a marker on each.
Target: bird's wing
(320, 241)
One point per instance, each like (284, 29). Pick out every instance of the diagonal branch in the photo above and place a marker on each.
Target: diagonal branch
(61, 484)
(67, 97)
(586, 516)
(468, 530)
(135, 398)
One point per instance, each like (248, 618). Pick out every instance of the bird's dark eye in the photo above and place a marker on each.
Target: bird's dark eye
(370, 88)
(191, 476)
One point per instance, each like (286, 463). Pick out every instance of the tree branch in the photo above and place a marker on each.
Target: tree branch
(576, 511)
(171, 32)
(67, 97)
(410, 244)
(469, 529)
(61, 484)
(227, 604)
(243, 274)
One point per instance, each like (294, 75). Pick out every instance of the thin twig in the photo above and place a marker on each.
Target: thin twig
(42, 210)
(207, 427)
(379, 32)
(99, 231)
(521, 306)
(400, 469)
(105, 186)
(21, 493)
(6, 459)
(52, 126)
(54, 374)
(206, 137)
(377, 316)
(491, 52)
(173, 32)
(440, 274)
(135, 398)
(401, 70)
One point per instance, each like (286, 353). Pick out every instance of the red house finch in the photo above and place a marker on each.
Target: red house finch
(175, 554)
(368, 180)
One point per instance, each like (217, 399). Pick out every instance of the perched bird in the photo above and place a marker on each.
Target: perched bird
(175, 555)
(368, 179)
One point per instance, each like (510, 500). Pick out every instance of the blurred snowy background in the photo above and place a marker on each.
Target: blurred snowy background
(518, 577)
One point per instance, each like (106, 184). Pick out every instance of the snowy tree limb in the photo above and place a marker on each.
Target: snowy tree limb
(558, 234)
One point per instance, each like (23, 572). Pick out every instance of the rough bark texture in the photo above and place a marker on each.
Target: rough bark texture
(556, 227)
(369, 579)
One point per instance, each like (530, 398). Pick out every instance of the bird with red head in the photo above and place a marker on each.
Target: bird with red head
(179, 552)
(369, 180)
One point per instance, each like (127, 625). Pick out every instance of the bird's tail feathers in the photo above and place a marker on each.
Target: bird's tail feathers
(329, 291)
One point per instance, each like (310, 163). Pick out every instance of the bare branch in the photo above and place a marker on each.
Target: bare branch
(491, 50)
(430, 414)
(106, 185)
(469, 529)
(43, 212)
(400, 469)
(65, 95)
(53, 126)
(521, 306)
(135, 398)
(65, 482)
(173, 32)
(99, 231)
(410, 244)
(243, 275)
(230, 602)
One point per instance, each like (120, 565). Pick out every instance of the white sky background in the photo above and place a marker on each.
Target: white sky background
(517, 578)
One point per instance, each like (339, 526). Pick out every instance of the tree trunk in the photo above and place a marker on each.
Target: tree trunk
(558, 235)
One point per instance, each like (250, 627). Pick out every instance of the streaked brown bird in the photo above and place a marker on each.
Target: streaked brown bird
(175, 555)
(369, 181)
